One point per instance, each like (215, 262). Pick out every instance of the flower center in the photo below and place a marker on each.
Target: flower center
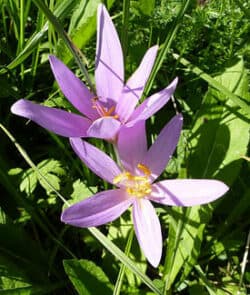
(103, 111)
(136, 185)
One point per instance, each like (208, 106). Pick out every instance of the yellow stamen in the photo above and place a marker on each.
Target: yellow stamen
(121, 177)
(136, 185)
(144, 169)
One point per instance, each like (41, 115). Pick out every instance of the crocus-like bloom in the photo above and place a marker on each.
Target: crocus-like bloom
(136, 187)
(114, 104)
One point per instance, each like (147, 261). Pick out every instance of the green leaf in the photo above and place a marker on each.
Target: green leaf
(62, 10)
(219, 139)
(29, 181)
(82, 27)
(51, 169)
(119, 232)
(17, 291)
(33, 290)
(184, 240)
(112, 248)
(220, 134)
(214, 82)
(146, 6)
(86, 277)
(80, 192)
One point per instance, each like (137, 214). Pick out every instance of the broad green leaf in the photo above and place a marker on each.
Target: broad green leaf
(220, 134)
(184, 239)
(213, 82)
(147, 6)
(86, 277)
(219, 139)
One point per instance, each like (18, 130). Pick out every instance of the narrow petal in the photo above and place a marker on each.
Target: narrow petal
(132, 145)
(148, 230)
(109, 72)
(153, 104)
(101, 164)
(73, 88)
(162, 149)
(55, 120)
(104, 127)
(187, 192)
(97, 210)
(134, 87)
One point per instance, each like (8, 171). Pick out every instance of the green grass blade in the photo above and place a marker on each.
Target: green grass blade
(124, 33)
(59, 28)
(62, 10)
(118, 284)
(28, 206)
(166, 46)
(212, 82)
(112, 248)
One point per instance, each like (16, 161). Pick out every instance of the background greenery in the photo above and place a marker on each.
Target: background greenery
(205, 44)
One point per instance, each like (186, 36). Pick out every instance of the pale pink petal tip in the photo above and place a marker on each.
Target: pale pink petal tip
(148, 230)
(187, 192)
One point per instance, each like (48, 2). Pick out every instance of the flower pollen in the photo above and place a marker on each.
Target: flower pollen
(136, 185)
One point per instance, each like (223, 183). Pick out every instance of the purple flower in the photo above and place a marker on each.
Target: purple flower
(113, 105)
(136, 186)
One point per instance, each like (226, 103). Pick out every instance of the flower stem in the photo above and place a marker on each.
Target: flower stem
(118, 284)
(124, 33)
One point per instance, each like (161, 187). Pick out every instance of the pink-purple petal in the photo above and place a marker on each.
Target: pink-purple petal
(55, 120)
(148, 230)
(134, 87)
(97, 210)
(105, 128)
(153, 104)
(187, 192)
(100, 163)
(73, 88)
(132, 145)
(162, 149)
(109, 72)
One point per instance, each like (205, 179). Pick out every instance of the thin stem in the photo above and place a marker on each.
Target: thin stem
(21, 35)
(166, 46)
(214, 83)
(118, 284)
(124, 33)
(244, 261)
(112, 248)
(167, 276)
(31, 163)
(117, 157)
(74, 50)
